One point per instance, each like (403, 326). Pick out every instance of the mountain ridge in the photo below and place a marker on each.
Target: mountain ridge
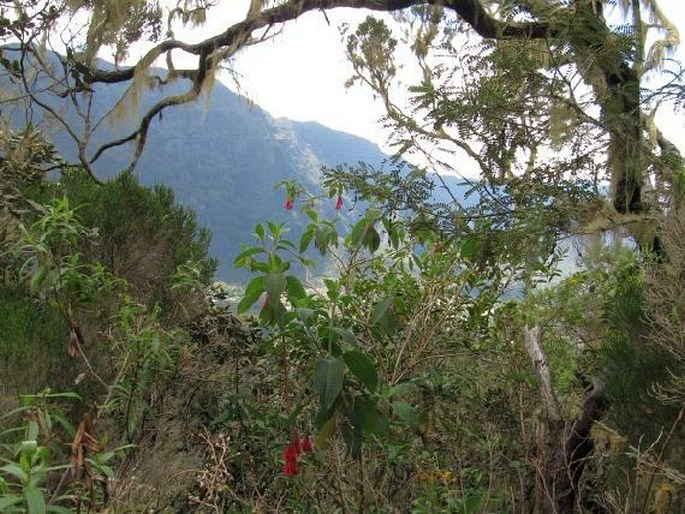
(222, 156)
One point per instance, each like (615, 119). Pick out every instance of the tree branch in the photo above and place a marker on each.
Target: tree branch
(471, 11)
(531, 339)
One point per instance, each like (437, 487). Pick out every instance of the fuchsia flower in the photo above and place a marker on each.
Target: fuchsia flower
(292, 452)
(339, 203)
(306, 445)
(289, 204)
(290, 455)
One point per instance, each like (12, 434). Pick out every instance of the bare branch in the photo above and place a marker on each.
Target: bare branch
(531, 339)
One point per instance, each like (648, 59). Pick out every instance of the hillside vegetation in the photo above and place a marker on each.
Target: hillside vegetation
(440, 360)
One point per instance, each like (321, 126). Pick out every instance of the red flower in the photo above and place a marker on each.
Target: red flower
(292, 451)
(339, 203)
(290, 454)
(289, 204)
(290, 469)
(306, 445)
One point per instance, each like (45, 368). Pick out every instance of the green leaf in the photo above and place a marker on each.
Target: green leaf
(469, 248)
(325, 431)
(295, 288)
(379, 310)
(346, 334)
(406, 413)
(275, 229)
(329, 338)
(382, 314)
(305, 313)
(35, 500)
(260, 266)
(10, 501)
(38, 278)
(284, 244)
(313, 215)
(402, 389)
(369, 417)
(362, 368)
(238, 261)
(357, 232)
(15, 470)
(328, 380)
(273, 314)
(33, 430)
(473, 503)
(306, 238)
(274, 284)
(253, 291)
(259, 230)
(372, 239)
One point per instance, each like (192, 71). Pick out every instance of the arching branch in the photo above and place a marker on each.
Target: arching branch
(471, 11)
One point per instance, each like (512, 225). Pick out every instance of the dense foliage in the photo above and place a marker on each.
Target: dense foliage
(456, 355)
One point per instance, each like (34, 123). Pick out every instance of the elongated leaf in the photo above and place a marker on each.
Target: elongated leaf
(325, 432)
(253, 291)
(469, 248)
(274, 284)
(369, 417)
(35, 500)
(381, 308)
(15, 470)
(328, 380)
(357, 232)
(38, 278)
(406, 413)
(273, 313)
(33, 430)
(284, 244)
(313, 215)
(305, 313)
(295, 288)
(346, 334)
(275, 229)
(306, 238)
(10, 501)
(372, 239)
(247, 253)
(362, 368)
(383, 314)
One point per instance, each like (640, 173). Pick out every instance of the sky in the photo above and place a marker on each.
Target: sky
(301, 73)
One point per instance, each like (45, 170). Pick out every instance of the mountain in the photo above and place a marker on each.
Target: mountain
(221, 155)
(224, 158)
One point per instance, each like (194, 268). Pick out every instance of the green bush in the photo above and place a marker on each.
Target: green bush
(33, 346)
(144, 237)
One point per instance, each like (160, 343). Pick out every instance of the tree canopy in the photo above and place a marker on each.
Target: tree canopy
(554, 76)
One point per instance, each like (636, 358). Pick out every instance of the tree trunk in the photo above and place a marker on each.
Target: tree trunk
(577, 448)
(567, 446)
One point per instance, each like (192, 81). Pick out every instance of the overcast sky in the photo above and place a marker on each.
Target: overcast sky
(301, 75)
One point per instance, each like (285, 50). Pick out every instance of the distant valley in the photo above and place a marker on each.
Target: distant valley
(222, 156)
